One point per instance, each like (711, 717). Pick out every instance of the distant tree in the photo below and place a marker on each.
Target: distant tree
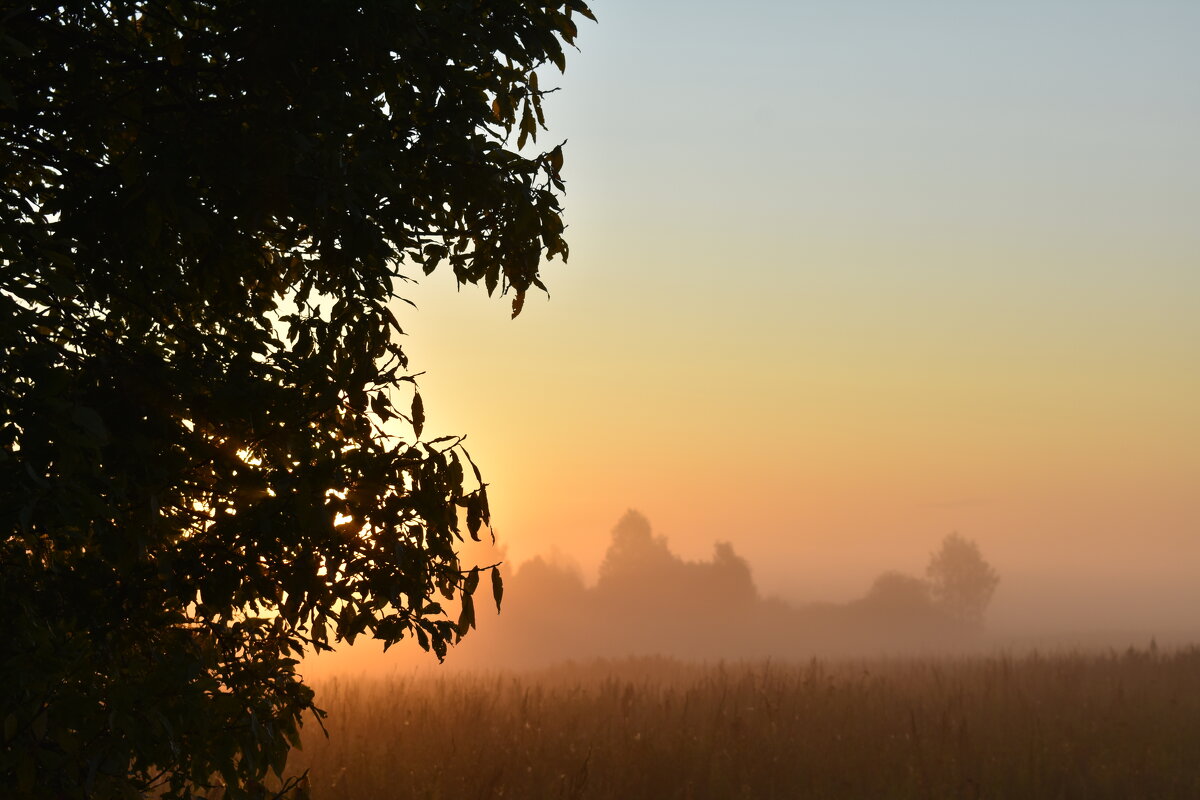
(895, 591)
(960, 581)
(729, 581)
(541, 581)
(640, 573)
(206, 210)
(635, 553)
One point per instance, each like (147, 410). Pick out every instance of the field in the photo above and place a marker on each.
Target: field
(1115, 725)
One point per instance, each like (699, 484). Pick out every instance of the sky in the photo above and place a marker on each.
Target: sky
(848, 276)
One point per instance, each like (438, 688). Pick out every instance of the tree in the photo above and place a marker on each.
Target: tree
(729, 580)
(899, 594)
(635, 555)
(960, 581)
(213, 450)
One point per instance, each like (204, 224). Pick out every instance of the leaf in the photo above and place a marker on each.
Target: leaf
(26, 771)
(90, 421)
(6, 96)
(439, 645)
(381, 406)
(472, 581)
(474, 469)
(528, 125)
(497, 587)
(418, 414)
(518, 303)
(474, 518)
(583, 9)
(466, 619)
(391, 318)
(15, 46)
(39, 725)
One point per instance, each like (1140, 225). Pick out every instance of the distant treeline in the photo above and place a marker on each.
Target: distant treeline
(647, 600)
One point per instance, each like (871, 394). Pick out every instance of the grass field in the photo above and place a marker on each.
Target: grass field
(1117, 725)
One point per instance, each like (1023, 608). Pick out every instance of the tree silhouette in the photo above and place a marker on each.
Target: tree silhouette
(728, 578)
(900, 593)
(547, 582)
(635, 554)
(960, 581)
(213, 450)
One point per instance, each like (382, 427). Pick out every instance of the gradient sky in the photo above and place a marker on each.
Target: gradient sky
(848, 276)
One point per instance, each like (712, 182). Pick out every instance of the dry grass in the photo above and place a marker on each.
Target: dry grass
(1063, 726)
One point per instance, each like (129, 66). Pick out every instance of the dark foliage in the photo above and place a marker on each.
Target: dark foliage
(212, 444)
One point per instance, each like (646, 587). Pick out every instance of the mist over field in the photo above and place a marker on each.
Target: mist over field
(654, 675)
(645, 600)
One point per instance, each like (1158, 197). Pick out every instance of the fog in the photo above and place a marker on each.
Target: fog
(643, 599)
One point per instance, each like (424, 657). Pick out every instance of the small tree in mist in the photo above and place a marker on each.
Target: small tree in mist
(547, 579)
(896, 591)
(729, 577)
(960, 581)
(635, 551)
(650, 600)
